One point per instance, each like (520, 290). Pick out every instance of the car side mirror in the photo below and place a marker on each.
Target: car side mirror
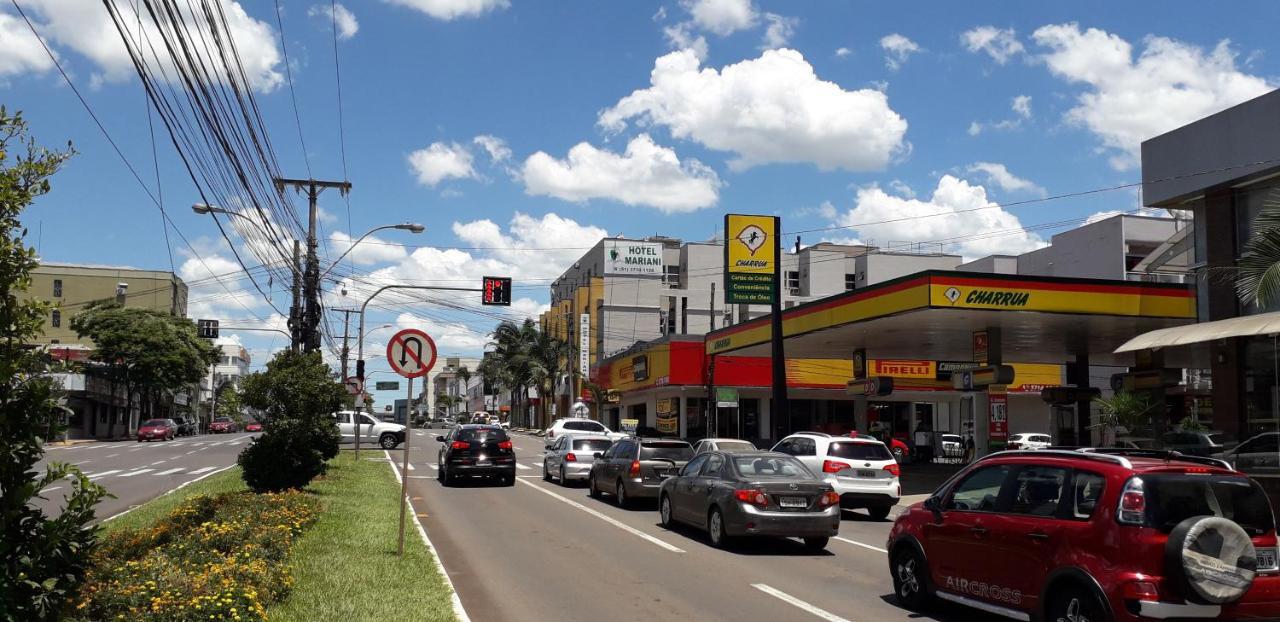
(548, 445)
(439, 438)
(598, 455)
(934, 504)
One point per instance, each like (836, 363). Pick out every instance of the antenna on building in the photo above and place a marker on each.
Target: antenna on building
(797, 245)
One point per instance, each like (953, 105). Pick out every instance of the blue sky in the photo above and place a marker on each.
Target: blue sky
(504, 125)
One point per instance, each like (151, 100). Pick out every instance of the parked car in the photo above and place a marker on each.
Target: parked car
(723, 444)
(1106, 534)
(223, 425)
(570, 456)
(734, 494)
(1136, 442)
(253, 426)
(157, 430)
(1199, 443)
(386, 435)
(575, 425)
(186, 427)
(860, 469)
(1029, 440)
(952, 445)
(634, 467)
(476, 450)
(1257, 456)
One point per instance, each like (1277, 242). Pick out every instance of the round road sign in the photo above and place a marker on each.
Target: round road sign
(354, 386)
(411, 353)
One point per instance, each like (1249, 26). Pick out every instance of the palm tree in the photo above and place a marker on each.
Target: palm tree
(511, 343)
(464, 375)
(1257, 273)
(547, 355)
(1122, 410)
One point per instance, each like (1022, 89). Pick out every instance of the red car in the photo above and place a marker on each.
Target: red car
(157, 430)
(1098, 535)
(253, 427)
(222, 425)
(896, 445)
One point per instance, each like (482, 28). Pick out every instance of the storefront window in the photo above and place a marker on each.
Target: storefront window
(1261, 386)
(695, 420)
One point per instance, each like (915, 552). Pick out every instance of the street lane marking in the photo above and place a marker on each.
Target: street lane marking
(421, 477)
(204, 470)
(411, 467)
(434, 467)
(608, 519)
(158, 462)
(113, 455)
(865, 546)
(103, 474)
(796, 602)
(168, 492)
(172, 471)
(521, 466)
(190, 452)
(138, 472)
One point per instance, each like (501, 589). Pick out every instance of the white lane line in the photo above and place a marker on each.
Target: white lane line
(422, 477)
(796, 602)
(51, 489)
(522, 467)
(411, 467)
(608, 519)
(138, 472)
(113, 455)
(865, 546)
(135, 449)
(172, 471)
(458, 611)
(204, 470)
(103, 474)
(158, 462)
(168, 492)
(434, 467)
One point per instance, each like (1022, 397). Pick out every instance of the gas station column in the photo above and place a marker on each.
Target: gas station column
(1078, 375)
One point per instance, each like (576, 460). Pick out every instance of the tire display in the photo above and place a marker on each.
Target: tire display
(1211, 559)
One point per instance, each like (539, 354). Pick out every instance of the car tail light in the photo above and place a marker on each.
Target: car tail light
(832, 466)
(1133, 503)
(569, 457)
(828, 499)
(460, 445)
(635, 468)
(751, 496)
(1141, 590)
(893, 469)
(504, 445)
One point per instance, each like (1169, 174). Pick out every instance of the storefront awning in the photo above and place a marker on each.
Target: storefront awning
(1248, 326)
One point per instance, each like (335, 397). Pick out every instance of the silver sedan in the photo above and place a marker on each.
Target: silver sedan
(569, 457)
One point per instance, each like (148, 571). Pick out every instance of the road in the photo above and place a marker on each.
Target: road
(136, 472)
(541, 551)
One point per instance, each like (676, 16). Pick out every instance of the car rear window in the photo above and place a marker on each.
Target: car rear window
(152, 423)
(771, 467)
(735, 446)
(666, 450)
(859, 451)
(588, 426)
(482, 434)
(591, 444)
(1172, 499)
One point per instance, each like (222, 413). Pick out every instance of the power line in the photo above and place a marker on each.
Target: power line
(293, 97)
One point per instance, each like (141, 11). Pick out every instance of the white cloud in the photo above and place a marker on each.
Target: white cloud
(557, 242)
(372, 250)
(958, 214)
(496, 147)
(441, 161)
(975, 128)
(902, 189)
(339, 15)
(88, 29)
(1001, 44)
(722, 17)
(682, 37)
(897, 49)
(21, 52)
(447, 10)
(779, 30)
(999, 175)
(1022, 106)
(645, 174)
(770, 109)
(826, 210)
(1129, 100)
(843, 52)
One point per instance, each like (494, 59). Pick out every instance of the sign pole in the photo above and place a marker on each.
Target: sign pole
(779, 357)
(404, 468)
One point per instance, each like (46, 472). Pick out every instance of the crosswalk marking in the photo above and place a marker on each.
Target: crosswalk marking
(522, 467)
(434, 467)
(411, 467)
(103, 474)
(172, 471)
(158, 462)
(204, 470)
(138, 472)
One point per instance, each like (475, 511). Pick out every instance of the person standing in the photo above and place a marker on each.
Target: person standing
(968, 448)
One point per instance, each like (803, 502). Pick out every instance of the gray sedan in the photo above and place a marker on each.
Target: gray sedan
(570, 456)
(751, 494)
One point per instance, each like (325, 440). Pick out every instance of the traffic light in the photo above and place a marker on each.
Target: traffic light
(207, 329)
(360, 369)
(497, 291)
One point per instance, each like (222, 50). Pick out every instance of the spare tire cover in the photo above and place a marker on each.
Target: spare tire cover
(1212, 559)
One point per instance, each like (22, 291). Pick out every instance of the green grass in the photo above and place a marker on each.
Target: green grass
(346, 568)
(155, 509)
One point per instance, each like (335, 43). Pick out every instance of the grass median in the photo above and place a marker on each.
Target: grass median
(344, 566)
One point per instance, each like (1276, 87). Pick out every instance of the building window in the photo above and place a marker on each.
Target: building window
(56, 319)
(850, 282)
(793, 282)
(671, 276)
(57, 288)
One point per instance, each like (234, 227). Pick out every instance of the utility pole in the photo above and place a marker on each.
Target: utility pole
(346, 326)
(295, 311)
(713, 306)
(311, 275)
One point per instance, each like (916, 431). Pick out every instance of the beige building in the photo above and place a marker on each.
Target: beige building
(72, 287)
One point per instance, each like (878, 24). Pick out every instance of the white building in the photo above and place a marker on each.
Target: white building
(230, 369)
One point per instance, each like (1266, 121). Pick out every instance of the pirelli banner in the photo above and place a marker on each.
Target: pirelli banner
(750, 259)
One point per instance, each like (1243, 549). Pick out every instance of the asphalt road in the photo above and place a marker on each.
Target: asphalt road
(137, 472)
(539, 551)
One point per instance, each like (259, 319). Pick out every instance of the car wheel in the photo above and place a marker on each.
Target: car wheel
(715, 529)
(898, 454)
(388, 441)
(816, 544)
(878, 513)
(620, 495)
(664, 511)
(446, 477)
(509, 480)
(1074, 604)
(563, 480)
(910, 578)
(546, 475)
(592, 491)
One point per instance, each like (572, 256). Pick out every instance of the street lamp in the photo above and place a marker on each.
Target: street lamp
(411, 227)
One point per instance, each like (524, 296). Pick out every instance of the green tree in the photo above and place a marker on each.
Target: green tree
(546, 358)
(1122, 410)
(230, 405)
(43, 558)
(1257, 272)
(296, 395)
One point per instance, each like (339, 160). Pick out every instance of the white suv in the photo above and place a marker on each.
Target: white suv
(861, 469)
(1029, 441)
(579, 425)
(386, 435)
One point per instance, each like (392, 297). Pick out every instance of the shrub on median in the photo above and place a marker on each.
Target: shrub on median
(288, 455)
(213, 558)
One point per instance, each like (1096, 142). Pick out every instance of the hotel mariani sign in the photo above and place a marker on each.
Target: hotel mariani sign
(626, 257)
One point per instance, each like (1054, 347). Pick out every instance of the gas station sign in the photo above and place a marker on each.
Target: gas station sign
(750, 259)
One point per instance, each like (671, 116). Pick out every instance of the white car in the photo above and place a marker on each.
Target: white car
(385, 434)
(722, 444)
(578, 425)
(860, 469)
(1030, 440)
(570, 456)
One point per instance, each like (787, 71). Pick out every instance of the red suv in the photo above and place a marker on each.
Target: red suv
(1092, 535)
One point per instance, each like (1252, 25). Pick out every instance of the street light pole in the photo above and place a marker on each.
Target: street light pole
(311, 273)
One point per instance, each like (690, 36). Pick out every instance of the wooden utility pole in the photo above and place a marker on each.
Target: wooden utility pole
(311, 274)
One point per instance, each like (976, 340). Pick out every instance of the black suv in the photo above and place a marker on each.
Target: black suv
(483, 450)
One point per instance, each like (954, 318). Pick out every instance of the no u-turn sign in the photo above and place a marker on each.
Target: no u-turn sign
(411, 353)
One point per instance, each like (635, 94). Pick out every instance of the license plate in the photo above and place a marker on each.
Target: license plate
(793, 502)
(1266, 559)
(866, 473)
(483, 461)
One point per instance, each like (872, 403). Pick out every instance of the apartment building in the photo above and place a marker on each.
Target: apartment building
(72, 287)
